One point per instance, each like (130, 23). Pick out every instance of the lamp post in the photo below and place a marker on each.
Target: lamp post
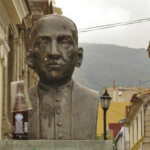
(105, 103)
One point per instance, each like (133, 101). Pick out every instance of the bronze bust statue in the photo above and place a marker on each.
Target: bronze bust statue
(62, 108)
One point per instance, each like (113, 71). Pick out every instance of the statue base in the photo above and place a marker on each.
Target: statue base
(56, 145)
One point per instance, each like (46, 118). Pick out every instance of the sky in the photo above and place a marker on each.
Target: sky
(89, 13)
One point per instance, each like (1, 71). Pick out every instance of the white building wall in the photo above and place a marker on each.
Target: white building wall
(119, 144)
(136, 127)
(122, 139)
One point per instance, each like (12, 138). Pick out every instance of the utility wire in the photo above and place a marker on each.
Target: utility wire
(142, 83)
(93, 28)
(138, 83)
(139, 20)
(113, 25)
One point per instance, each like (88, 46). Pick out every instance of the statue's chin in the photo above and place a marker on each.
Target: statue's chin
(54, 74)
(55, 78)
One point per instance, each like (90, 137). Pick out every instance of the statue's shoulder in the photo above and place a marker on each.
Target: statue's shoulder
(84, 92)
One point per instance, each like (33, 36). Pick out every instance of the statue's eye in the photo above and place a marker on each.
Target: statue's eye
(65, 42)
(42, 42)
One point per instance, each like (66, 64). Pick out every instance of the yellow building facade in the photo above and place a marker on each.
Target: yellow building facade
(115, 113)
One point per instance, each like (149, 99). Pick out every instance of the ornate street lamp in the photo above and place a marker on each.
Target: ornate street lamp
(105, 103)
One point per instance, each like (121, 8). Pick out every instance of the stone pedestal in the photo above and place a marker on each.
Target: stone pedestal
(56, 145)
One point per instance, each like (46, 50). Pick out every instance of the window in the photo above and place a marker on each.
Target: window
(137, 129)
(141, 124)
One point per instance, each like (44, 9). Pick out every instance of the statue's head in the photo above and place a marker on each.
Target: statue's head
(54, 49)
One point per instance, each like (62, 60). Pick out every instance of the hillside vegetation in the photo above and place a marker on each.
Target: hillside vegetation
(104, 63)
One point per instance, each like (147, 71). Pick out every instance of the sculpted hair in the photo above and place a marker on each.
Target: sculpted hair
(74, 32)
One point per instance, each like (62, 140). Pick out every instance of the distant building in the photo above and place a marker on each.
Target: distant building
(121, 97)
(116, 112)
(123, 94)
(148, 49)
(114, 128)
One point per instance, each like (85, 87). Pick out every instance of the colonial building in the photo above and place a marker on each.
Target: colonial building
(12, 13)
(138, 122)
(16, 20)
(42, 7)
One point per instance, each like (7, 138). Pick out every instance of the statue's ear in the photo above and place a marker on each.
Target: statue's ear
(79, 57)
(29, 59)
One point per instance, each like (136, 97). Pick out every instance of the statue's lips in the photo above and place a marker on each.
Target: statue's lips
(55, 65)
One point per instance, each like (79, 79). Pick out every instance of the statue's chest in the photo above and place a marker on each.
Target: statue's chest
(54, 110)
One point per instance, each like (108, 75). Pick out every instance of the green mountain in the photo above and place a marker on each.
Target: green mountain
(104, 63)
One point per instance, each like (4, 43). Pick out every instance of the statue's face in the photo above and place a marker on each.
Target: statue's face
(54, 49)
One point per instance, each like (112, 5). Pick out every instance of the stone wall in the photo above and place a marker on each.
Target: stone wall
(57, 145)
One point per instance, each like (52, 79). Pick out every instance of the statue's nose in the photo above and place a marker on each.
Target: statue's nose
(54, 49)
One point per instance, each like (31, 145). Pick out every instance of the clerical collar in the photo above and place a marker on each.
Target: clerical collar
(45, 87)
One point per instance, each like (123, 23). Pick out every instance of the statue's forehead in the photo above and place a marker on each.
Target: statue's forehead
(53, 25)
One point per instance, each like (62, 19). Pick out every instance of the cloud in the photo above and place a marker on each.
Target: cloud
(89, 13)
